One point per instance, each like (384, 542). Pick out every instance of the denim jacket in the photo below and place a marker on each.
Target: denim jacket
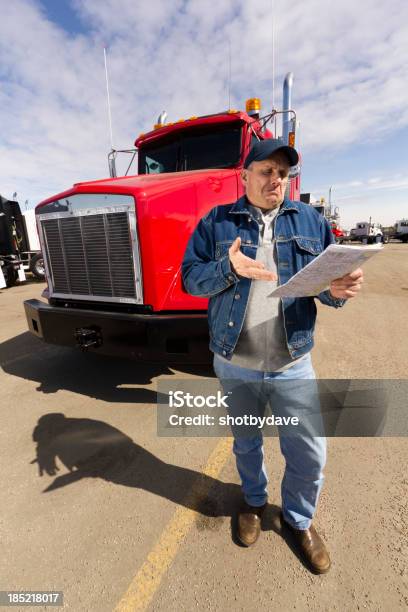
(301, 233)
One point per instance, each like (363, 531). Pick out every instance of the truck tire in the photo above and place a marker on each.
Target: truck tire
(37, 266)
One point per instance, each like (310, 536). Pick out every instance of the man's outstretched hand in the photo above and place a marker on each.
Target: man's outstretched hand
(247, 267)
(347, 286)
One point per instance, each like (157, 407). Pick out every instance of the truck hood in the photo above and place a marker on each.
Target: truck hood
(168, 208)
(145, 184)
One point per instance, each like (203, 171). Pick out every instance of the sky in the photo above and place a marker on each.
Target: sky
(350, 66)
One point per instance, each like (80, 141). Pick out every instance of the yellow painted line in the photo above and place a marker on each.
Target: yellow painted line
(146, 582)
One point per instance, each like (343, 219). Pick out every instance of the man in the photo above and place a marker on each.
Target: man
(235, 256)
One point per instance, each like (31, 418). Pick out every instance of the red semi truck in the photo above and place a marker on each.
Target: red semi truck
(113, 247)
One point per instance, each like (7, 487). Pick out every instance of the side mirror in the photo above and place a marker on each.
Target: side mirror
(294, 171)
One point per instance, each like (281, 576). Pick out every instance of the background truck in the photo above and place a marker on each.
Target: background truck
(365, 232)
(11, 222)
(113, 248)
(20, 250)
(337, 232)
(399, 231)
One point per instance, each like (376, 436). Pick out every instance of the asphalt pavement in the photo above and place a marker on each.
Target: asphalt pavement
(97, 505)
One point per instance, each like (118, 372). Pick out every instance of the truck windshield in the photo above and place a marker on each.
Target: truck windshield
(193, 149)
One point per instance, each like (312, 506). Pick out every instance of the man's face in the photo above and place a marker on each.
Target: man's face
(265, 181)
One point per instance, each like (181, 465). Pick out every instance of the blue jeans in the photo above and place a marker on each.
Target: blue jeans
(304, 451)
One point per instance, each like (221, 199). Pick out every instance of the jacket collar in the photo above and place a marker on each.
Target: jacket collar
(240, 207)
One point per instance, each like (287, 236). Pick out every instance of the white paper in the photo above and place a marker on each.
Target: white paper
(335, 261)
(2, 279)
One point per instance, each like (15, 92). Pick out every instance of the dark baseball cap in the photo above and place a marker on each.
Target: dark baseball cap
(265, 148)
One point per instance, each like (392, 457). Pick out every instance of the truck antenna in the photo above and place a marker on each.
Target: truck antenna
(273, 55)
(109, 106)
(229, 73)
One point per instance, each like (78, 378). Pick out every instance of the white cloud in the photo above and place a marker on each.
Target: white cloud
(351, 188)
(348, 61)
(377, 184)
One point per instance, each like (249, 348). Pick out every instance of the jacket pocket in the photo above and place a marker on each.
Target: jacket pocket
(221, 248)
(310, 245)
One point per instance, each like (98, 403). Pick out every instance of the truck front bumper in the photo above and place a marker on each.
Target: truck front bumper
(167, 338)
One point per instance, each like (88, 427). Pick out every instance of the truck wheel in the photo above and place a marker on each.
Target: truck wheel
(37, 266)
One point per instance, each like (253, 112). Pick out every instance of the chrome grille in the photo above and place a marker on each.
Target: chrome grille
(92, 254)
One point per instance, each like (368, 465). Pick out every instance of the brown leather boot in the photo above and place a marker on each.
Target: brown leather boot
(249, 524)
(311, 546)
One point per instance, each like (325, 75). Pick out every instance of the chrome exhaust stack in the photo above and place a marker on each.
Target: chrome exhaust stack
(288, 122)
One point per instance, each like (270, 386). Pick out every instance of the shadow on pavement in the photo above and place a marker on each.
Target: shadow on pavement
(93, 449)
(107, 378)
